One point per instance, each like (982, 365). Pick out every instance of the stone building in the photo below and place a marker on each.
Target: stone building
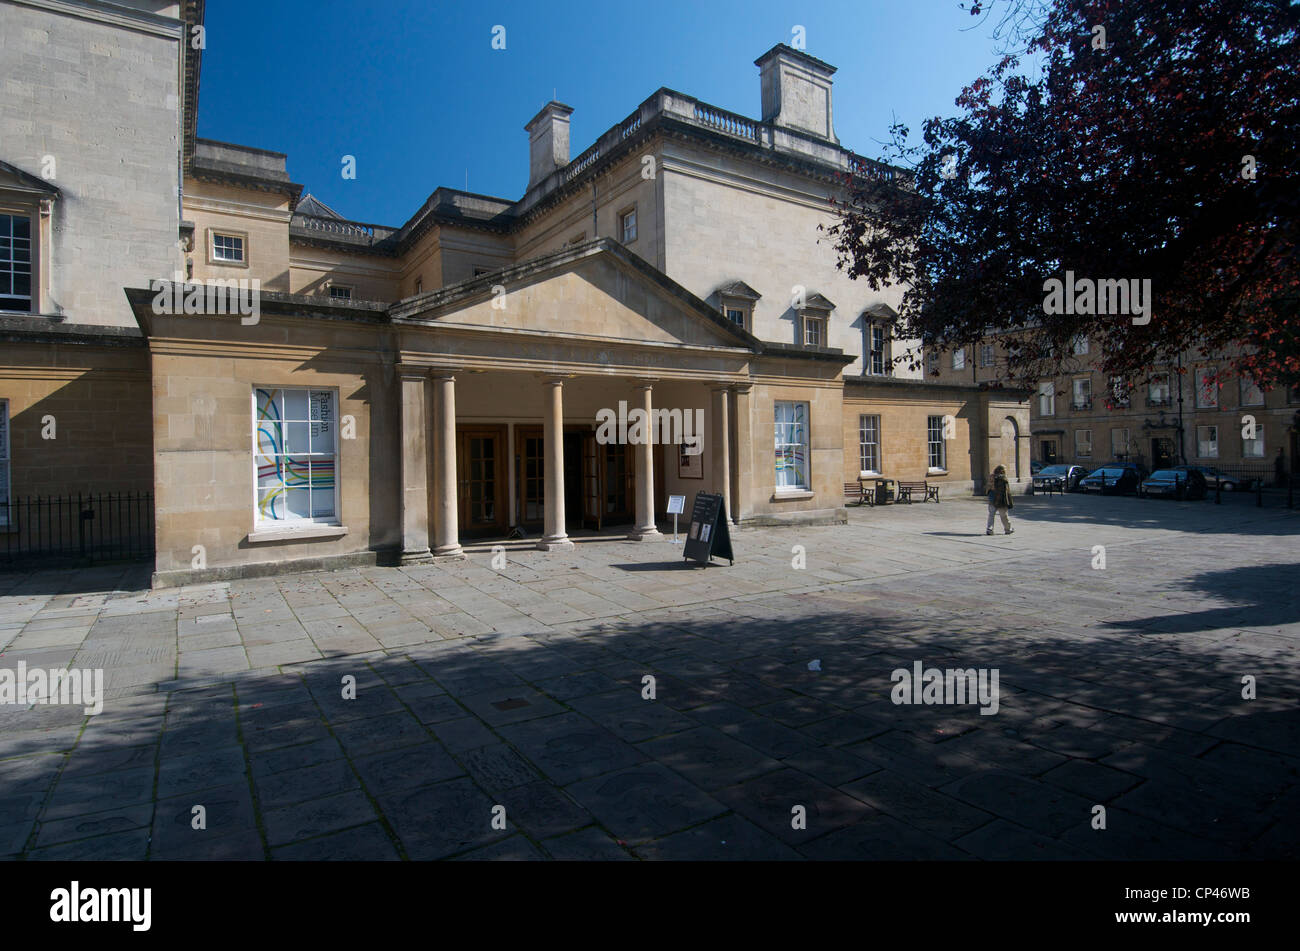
(388, 391)
(1192, 412)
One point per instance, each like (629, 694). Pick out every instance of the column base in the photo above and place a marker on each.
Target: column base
(448, 553)
(555, 543)
(645, 534)
(416, 557)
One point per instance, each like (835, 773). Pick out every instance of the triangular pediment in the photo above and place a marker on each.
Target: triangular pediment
(598, 291)
(14, 178)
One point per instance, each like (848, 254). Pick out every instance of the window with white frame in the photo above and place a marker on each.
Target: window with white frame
(4, 463)
(875, 362)
(340, 292)
(1158, 390)
(739, 312)
(814, 331)
(1253, 448)
(959, 358)
(1207, 442)
(1207, 388)
(791, 446)
(1251, 394)
(1047, 398)
(932, 359)
(1080, 346)
(1083, 443)
(1120, 442)
(937, 455)
(986, 354)
(627, 225)
(295, 455)
(15, 262)
(228, 248)
(869, 443)
(1082, 393)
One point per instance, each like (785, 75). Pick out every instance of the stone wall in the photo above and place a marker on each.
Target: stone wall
(78, 416)
(728, 219)
(95, 89)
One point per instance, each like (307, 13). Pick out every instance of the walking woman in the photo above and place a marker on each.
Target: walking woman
(1000, 501)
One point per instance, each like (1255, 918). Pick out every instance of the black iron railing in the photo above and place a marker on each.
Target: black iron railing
(76, 529)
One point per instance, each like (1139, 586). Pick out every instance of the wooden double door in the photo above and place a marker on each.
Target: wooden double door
(599, 480)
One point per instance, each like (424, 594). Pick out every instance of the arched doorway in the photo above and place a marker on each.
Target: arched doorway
(1010, 448)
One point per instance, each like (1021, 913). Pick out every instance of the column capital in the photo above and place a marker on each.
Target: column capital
(645, 382)
(557, 379)
(408, 371)
(444, 373)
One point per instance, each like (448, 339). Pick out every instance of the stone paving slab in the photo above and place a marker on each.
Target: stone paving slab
(457, 711)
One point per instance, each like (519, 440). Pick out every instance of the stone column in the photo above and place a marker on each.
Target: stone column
(414, 460)
(743, 472)
(555, 537)
(645, 528)
(446, 519)
(720, 438)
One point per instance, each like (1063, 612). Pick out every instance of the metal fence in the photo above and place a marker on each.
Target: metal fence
(1247, 477)
(80, 529)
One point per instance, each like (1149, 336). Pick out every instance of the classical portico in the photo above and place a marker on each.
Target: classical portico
(515, 386)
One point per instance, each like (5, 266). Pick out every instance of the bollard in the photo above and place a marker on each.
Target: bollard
(1290, 490)
(1259, 493)
(1218, 491)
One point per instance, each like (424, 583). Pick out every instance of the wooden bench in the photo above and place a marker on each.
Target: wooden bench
(924, 489)
(857, 493)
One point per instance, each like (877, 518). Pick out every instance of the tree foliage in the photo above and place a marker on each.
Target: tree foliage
(1158, 144)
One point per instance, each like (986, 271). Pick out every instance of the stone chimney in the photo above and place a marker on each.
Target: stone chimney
(548, 141)
(797, 91)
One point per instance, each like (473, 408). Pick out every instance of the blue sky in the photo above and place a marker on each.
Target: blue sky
(414, 90)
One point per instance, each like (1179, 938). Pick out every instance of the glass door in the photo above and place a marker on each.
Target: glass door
(481, 488)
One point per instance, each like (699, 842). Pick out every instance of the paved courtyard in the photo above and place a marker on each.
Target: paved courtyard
(502, 714)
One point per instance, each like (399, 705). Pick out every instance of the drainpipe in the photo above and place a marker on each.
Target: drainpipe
(595, 233)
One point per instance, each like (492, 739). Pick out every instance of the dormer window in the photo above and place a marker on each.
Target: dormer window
(877, 324)
(814, 321)
(814, 330)
(737, 300)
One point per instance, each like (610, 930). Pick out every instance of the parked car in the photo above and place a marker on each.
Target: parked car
(1062, 478)
(1216, 479)
(1169, 483)
(1035, 467)
(1111, 480)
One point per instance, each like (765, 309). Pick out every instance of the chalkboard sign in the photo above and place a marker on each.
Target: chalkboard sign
(708, 535)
